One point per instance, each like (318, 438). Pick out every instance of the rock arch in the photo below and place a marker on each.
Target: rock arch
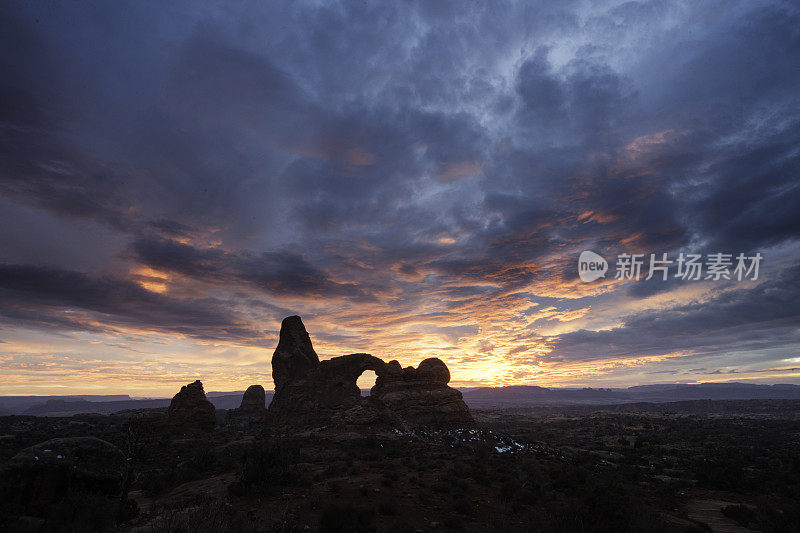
(309, 391)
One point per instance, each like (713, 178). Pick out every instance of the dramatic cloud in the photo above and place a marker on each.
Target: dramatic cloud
(48, 297)
(414, 179)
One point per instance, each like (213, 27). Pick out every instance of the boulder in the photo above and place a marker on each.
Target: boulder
(47, 472)
(191, 410)
(309, 392)
(421, 397)
(433, 369)
(253, 406)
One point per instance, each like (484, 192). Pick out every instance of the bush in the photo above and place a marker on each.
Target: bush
(401, 527)
(334, 487)
(266, 465)
(387, 507)
(316, 499)
(463, 506)
(453, 522)
(440, 486)
(346, 518)
(741, 514)
(509, 489)
(202, 513)
(480, 476)
(86, 512)
(338, 468)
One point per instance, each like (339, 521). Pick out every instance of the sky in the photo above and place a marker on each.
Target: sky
(414, 179)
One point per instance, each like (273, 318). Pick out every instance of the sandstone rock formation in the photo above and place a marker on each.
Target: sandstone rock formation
(294, 355)
(253, 406)
(313, 392)
(421, 395)
(191, 410)
(44, 473)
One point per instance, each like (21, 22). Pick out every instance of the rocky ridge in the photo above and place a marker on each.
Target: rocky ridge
(313, 392)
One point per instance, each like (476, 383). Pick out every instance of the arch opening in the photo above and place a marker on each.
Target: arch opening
(366, 381)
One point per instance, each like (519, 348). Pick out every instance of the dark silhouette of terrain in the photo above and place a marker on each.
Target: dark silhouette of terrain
(477, 398)
(409, 457)
(311, 392)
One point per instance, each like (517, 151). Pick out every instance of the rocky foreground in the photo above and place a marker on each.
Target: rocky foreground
(410, 457)
(606, 472)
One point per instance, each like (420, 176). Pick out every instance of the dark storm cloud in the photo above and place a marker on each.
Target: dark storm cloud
(280, 273)
(761, 317)
(51, 297)
(751, 200)
(37, 165)
(401, 156)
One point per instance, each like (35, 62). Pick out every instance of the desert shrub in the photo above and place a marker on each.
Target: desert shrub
(337, 468)
(387, 507)
(370, 450)
(157, 481)
(316, 499)
(203, 514)
(401, 527)
(440, 486)
(764, 518)
(509, 489)
(453, 523)
(525, 496)
(346, 518)
(463, 506)
(484, 451)
(266, 465)
(202, 460)
(334, 487)
(394, 450)
(388, 478)
(459, 485)
(86, 512)
(185, 473)
(480, 476)
(742, 514)
(282, 526)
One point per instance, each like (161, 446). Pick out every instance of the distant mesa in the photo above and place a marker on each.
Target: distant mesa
(313, 392)
(191, 410)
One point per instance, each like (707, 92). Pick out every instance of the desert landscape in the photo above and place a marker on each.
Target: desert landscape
(409, 456)
(416, 266)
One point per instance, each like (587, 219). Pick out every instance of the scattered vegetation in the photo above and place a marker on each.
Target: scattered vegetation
(600, 472)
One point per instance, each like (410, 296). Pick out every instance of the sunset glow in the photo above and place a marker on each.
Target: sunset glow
(416, 184)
